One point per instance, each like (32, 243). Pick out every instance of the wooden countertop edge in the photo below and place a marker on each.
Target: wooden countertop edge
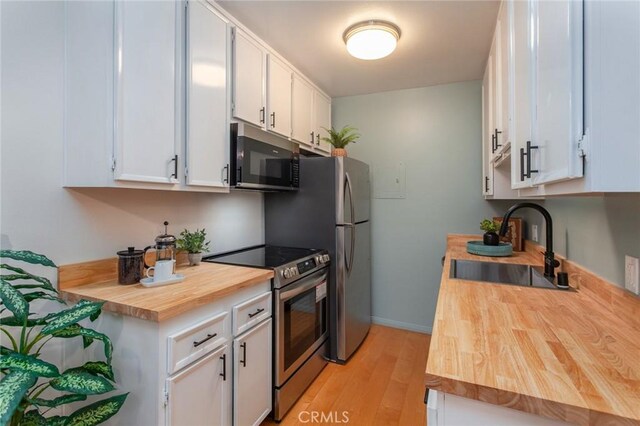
(162, 315)
(526, 403)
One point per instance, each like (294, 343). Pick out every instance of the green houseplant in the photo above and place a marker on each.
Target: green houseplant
(340, 139)
(490, 237)
(193, 243)
(25, 375)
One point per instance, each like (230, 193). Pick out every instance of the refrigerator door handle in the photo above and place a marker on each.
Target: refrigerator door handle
(347, 184)
(348, 261)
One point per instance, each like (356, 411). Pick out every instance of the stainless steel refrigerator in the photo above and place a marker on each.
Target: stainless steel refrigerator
(331, 211)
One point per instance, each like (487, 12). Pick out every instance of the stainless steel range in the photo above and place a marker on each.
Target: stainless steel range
(301, 315)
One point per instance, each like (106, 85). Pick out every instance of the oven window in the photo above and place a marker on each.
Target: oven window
(304, 322)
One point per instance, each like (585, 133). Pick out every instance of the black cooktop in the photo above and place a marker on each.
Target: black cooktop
(268, 257)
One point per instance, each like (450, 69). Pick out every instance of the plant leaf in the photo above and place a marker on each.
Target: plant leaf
(94, 316)
(56, 421)
(28, 257)
(13, 387)
(71, 316)
(81, 382)
(21, 274)
(61, 400)
(42, 295)
(35, 366)
(14, 300)
(33, 418)
(97, 412)
(88, 335)
(97, 368)
(15, 322)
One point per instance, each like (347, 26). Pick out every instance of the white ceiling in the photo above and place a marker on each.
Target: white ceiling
(441, 42)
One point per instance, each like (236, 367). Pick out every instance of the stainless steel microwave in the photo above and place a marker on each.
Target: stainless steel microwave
(262, 160)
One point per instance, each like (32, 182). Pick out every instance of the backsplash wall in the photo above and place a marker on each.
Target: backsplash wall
(70, 225)
(596, 232)
(435, 131)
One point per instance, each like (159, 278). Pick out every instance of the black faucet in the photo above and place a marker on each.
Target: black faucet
(549, 261)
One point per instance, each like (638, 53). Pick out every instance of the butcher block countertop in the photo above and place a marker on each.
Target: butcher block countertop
(568, 355)
(203, 284)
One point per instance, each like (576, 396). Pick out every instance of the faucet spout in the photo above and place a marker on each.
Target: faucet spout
(549, 260)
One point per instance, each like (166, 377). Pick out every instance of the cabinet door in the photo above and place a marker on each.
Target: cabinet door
(147, 91)
(322, 113)
(487, 132)
(301, 112)
(207, 146)
(558, 47)
(494, 100)
(503, 41)
(279, 96)
(200, 394)
(252, 375)
(248, 79)
(523, 93)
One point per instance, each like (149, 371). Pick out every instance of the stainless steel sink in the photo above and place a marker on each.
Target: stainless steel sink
(501, 273)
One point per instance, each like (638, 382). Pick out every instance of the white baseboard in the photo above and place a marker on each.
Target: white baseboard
(403, 325)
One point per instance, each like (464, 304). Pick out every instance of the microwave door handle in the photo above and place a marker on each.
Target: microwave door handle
(298, 290)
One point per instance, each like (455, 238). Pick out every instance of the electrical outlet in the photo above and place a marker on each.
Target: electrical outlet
(632, 274)
(534, 233)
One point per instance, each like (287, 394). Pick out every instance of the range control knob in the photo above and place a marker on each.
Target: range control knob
(287, 273)
(294, 271)
(318, 259)
(325, 257)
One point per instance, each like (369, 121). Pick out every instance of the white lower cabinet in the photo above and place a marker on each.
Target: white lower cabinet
(252, 375)
(200, 394)
(444, 409)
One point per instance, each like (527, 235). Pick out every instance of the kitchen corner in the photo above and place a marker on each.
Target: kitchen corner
(564, 355)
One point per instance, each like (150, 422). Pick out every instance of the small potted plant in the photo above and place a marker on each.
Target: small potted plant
(490, 237)
(340, 139)
(194, 243)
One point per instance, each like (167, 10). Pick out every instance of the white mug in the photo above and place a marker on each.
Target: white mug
(162, 270)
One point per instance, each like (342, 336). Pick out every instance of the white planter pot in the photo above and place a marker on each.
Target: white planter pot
(195, 258)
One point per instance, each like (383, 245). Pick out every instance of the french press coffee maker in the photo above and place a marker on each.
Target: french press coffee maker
(165, 248)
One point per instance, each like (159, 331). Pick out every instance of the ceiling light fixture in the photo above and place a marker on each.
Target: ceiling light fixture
(371, 40)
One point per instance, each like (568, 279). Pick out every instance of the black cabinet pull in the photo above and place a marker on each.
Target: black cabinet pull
(224, 367)
(243, 361)
(313, 137)
(256, 312)
(318, 138)
(522, 172)
(273, 119)
(209, 337)
(175, 166)
(496, 132)
(528, 154)
(262, 115)
(493, 143)
(486, 184)
(226, 179)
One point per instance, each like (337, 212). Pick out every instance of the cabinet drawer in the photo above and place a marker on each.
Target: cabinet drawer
(249, 313)
(195, 342)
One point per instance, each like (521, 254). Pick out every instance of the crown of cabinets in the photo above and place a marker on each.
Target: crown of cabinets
(549, 127)
(269, 94)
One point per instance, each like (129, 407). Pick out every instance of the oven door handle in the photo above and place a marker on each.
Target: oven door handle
(286, 295)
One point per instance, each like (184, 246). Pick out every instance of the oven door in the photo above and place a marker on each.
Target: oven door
(260, 165)
(301, 322)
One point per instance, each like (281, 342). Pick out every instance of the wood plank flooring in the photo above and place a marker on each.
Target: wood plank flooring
(382, 384)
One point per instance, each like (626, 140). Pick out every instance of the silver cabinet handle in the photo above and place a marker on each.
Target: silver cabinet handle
(313, 137)
(262, 115)
(273, 119)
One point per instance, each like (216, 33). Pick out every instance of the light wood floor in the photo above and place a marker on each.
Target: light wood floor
(382, 384)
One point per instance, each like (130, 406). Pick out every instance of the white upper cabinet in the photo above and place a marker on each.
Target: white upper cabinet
(279, 97)
(147, 91)
(322, 115)
(558, 91)
(302, 112)
(502, 80)
(249, 70)
(207, 136)
(487, 133)
(522, 56)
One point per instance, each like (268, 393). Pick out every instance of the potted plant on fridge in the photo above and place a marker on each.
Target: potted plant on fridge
(27, 378)
(194, 243)
(340, 139)
(490, 237)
